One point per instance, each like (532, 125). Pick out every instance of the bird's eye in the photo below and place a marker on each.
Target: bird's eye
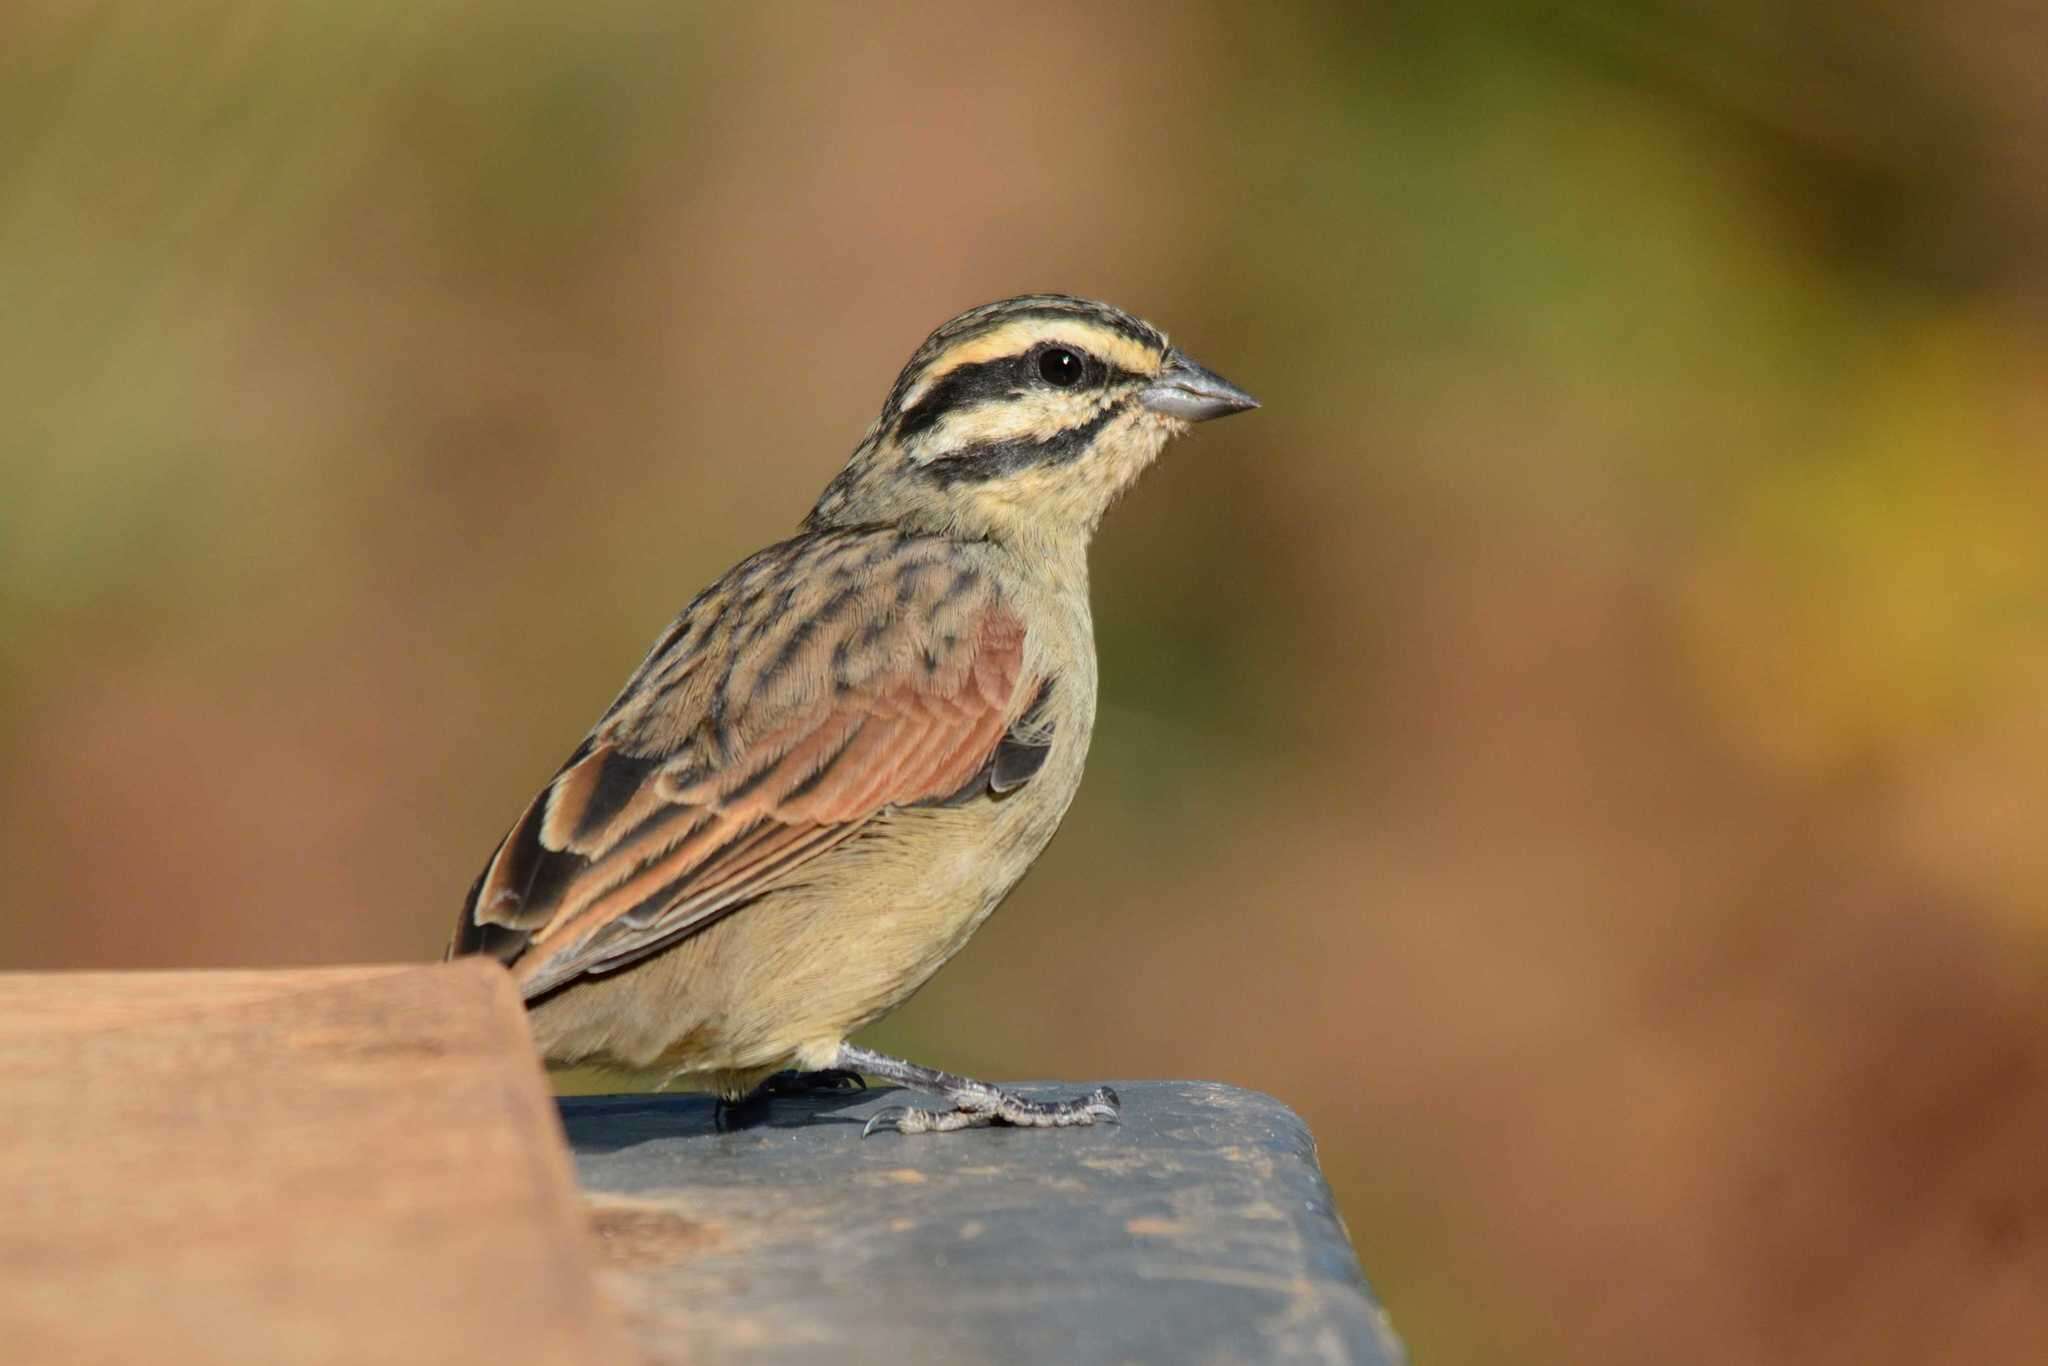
(1060, 367)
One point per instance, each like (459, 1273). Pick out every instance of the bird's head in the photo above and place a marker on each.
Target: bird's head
(1022, 421)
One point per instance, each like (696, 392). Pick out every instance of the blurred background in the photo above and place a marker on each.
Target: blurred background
(1583, 743)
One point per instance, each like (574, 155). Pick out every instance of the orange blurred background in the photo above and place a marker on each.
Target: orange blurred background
(1583, 743)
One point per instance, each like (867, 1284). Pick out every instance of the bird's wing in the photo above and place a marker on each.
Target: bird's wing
(815, 687)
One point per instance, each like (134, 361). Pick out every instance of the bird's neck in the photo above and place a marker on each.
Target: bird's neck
(1050, 552)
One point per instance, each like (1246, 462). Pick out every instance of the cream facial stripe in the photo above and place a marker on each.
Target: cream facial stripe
(1013, 339)
(996, 459)
(1034, 416)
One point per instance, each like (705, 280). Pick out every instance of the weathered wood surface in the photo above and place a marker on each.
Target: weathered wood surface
(363, 1164)
(1198, 1230)
(293, 1167)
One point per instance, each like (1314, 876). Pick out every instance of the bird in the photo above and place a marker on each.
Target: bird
(839, 759)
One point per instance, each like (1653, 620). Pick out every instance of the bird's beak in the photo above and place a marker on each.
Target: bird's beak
(1187, 391)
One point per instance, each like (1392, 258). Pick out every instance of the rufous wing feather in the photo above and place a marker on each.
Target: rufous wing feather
(818, 686)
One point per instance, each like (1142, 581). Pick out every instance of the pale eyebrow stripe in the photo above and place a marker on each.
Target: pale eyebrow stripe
(1018, 335)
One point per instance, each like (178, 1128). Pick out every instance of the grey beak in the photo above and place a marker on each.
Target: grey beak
(1185, 390)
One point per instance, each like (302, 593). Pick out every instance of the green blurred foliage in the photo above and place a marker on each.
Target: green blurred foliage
(1581, 742)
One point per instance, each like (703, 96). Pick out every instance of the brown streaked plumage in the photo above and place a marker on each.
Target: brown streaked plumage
(843, 754)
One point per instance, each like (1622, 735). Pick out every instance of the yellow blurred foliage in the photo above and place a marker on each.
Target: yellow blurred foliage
(1885, 590)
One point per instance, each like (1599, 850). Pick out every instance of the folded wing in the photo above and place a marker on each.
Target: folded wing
(815, 687)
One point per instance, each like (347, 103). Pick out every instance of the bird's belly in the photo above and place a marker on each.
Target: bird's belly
(784, 980)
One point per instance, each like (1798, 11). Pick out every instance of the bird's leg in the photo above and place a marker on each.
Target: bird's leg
(738, 1114)
(794, 1083)
(974, 1102)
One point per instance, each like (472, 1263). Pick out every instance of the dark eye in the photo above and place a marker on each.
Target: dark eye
(1060, 367)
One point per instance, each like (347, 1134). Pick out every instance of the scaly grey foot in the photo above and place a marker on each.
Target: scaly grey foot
(975, 1103)
(997, 1107)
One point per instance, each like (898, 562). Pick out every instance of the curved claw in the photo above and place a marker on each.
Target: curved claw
(890, 1117)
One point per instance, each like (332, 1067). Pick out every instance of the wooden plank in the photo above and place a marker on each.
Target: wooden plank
(1198, 1230)
(345, 1165)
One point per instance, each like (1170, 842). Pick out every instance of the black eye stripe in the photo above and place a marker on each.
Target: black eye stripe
(962, 387)
(967, 386)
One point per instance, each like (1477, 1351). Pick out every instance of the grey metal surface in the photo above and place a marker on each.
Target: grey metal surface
(1198, 1230)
